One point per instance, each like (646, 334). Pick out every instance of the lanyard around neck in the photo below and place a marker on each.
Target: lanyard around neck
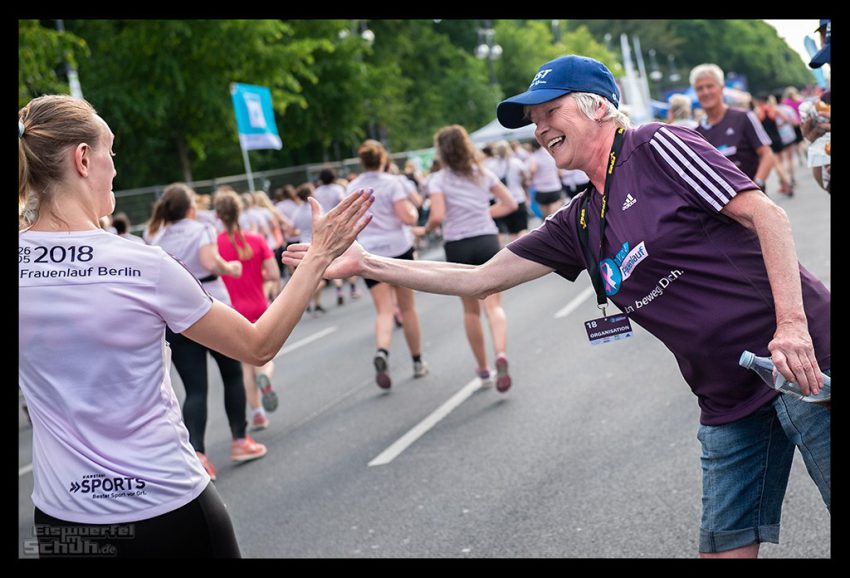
(583, 235)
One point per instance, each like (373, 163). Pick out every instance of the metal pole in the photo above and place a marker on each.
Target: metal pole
(73, 79)
(248, 168)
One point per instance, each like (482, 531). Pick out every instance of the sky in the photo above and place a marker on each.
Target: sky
(794, 31)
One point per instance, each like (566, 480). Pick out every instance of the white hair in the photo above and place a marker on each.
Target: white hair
(706, 70)
(589, 102)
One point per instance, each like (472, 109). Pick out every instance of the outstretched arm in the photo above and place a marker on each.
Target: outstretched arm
(226, 331)
(503, 271)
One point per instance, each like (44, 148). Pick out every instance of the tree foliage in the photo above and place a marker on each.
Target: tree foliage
(163, 85)
(42, 54)
(749, 48)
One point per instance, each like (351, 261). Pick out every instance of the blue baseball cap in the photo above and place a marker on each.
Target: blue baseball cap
(555, 79)
(823, 55)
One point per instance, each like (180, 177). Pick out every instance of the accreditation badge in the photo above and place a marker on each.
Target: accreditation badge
(607, 329)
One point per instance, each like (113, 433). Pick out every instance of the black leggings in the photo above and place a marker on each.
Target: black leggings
(190, 360)
(200, 529)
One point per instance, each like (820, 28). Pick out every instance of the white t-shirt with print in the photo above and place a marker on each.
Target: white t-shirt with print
(109, 444)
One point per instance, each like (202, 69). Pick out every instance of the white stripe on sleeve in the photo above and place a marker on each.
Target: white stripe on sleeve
(759, 128)
(681, 172)
(708, 170)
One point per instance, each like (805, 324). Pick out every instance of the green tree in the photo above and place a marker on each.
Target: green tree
(164, 87)
(751, 48)
(427, 82)
(526, 44)
(42, 53)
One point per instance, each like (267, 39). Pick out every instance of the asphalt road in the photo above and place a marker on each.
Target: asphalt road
(592, 454)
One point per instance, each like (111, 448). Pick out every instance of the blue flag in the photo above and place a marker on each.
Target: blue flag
(255, 117)
(812, 49)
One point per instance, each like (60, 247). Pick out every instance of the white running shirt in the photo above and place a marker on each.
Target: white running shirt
(183, 240)
(467, 203)
(329, 196)
(385, 235)
(109, 444)
(547, 178)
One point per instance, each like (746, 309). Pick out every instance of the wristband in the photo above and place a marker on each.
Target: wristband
(761, 184)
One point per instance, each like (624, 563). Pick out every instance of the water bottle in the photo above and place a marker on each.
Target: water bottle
(763, 366)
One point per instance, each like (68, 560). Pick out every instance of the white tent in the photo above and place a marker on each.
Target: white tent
(495, 131)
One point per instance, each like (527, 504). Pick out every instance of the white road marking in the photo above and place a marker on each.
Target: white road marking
(426, 424)
(306, 341)
(574, 304)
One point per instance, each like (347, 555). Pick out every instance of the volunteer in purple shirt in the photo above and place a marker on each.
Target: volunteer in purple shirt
(736, 133)
(695, 254)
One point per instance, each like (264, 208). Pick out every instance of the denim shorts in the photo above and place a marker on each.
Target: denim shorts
(745, 469)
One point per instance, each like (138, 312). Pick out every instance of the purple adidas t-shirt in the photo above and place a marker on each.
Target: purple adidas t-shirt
(679, 268)
(738, 136)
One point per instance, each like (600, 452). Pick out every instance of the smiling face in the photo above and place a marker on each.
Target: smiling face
(564, 131)
(709, 92)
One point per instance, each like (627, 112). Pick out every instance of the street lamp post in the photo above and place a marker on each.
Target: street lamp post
(73, 79)
(656, 74)
(487, 48)
(674, 74)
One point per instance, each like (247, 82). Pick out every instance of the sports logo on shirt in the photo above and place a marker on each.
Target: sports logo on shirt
(615, 271)
(101, 486)
(730, 131)
(631, 260)
(727, 151)
(611, 276)
(630, 200)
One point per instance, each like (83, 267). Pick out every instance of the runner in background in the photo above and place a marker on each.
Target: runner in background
(386, 235)
(459, 195)
(248, 297)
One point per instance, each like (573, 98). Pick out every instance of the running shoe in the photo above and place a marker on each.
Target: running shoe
(340, 298)
(486, 377)
(207, 465)
(259, 421)
(399, 320)
(319, 309)
(420, 369)
(503, 379)
(245, 449)
(382, 377)
(355, 293)
(270, 400)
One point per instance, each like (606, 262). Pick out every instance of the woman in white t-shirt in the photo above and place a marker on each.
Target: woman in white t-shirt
(109, 445)
(302, 221)
(387, 235)
(329, 194)
(460, 194)
(545, 180)
(514, 174)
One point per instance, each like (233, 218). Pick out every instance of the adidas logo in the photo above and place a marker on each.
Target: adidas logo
(630, 200)
(730, 131)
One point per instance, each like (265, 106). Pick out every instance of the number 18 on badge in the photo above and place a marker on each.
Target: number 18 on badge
(606, 329)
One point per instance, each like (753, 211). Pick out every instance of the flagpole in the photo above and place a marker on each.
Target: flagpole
(248, 168)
